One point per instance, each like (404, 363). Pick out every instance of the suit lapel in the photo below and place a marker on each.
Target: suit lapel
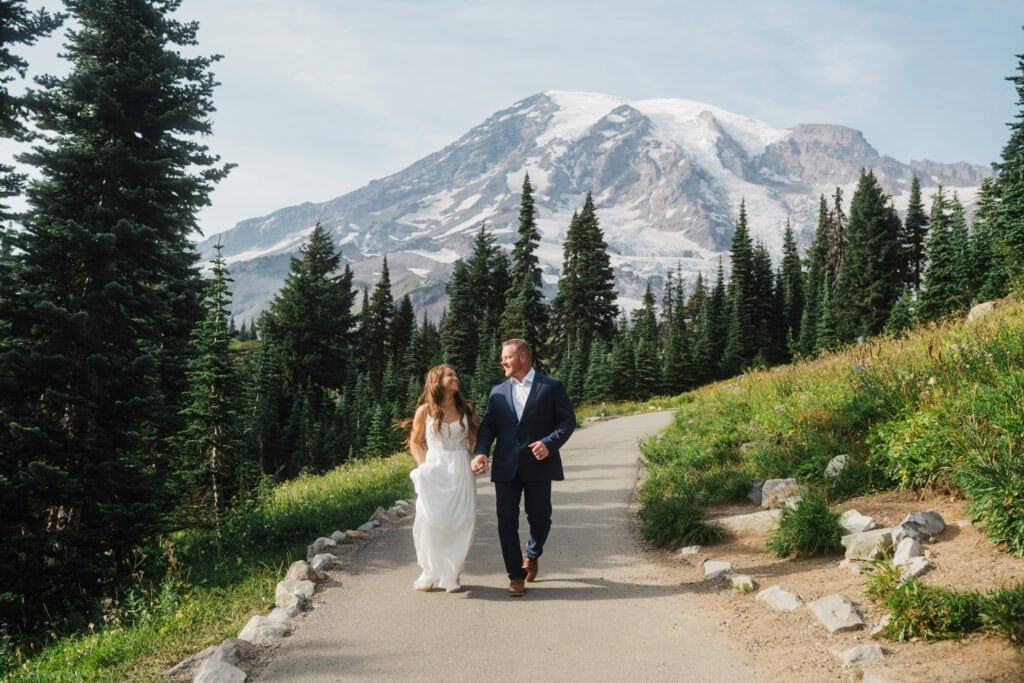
(534, 390)
(509, 391)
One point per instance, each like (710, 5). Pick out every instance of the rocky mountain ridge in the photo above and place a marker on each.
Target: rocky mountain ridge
(667, 177)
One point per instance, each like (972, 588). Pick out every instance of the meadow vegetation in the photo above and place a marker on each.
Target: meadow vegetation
(936, 409)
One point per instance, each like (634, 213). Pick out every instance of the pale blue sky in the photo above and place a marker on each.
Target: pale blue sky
(319, 97)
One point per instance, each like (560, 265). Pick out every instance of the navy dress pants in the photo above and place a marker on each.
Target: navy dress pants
(507, 495)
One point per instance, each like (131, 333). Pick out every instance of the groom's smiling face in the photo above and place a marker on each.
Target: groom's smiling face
(514, 362)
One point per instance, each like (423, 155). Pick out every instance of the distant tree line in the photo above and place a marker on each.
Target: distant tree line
(131, 406)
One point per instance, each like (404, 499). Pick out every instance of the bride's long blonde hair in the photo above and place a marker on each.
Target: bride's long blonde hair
(433, 397)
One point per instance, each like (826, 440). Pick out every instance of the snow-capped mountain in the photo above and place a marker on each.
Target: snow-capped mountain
(667, 177)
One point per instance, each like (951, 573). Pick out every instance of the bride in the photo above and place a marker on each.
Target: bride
(446, 424)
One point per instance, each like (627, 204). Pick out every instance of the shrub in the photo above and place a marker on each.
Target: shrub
(930, 612)
(917, 452)
(809, 529)
(1002, 612)
(993, 483)
(675, 521)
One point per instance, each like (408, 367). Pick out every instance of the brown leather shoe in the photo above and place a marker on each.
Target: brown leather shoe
(531, 567)
(516, 588)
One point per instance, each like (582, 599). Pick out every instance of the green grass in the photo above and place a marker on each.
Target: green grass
(208, 585)
(808, 530)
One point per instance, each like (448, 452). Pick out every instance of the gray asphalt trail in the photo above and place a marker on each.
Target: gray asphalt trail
(599, 611)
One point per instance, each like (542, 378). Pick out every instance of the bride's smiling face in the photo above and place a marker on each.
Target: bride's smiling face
(450, 381)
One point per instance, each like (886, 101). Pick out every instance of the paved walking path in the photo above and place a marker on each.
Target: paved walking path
(599, 611)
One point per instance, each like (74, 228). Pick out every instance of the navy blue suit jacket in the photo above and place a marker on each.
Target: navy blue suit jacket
(548, 416)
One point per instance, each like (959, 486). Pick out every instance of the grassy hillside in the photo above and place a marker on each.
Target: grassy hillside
(940, 408)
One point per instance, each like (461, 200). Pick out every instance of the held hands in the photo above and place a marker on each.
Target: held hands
(479, 464)
(540, 451)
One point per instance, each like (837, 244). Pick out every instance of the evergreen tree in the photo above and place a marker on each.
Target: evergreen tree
(584, 307)
(377, 336)
(597, 386)
(941, 293)
(311, 318)
(871, 277)
(21, 27)
(987, 265)
(815, 276)
(827, 337)
(107, 294)
(718, 321)
(623, 365)
(792, 288)
(959, 239)
(703, 367)
(210, 444)
(489, 279)
(1009, 212)
(902, 316)
(264, 405)
(460, 326)
(525, 315)
(834, 244)
(741, 335)
(914, 237)
(645, 335)
(402, 328)
(487, 372)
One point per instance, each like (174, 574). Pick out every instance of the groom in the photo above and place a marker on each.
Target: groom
(530, 416)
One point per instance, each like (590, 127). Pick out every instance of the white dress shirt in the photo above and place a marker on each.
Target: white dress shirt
(521, 391)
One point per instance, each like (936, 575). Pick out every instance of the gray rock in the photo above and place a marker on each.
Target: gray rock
(907, 550)
(381, 515)
(233, 651)
(302, 571)
(322, 562)
(339, 537)
(775, 490)
(319, 546)
(929, 522)
(867, 545)
(981, 310)
(261, 631)
(216, 671)
(861, 654)
(755, 492)
(287, 590)
(187, 667)
(837, 613)
(837, 465)
(714, 569)
(855, 523)
(780, 599)
(753, 522)
(367, 526)
(915, 567)
(880, 626)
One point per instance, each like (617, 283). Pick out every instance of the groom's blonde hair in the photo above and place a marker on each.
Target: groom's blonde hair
(521, 347)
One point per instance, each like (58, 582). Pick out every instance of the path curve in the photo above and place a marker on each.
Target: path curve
(601, 609)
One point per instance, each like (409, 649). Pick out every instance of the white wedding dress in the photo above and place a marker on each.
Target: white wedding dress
(445, 507)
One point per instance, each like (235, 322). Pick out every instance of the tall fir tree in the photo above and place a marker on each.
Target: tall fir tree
(376, 339)
(460, 327)
(814, 277)
(22, 27)
(914, 237)
(940, 292)
(741, 335)
(525, 315)
(584, 306)
(489, 280)
(871, 277)
(792, 289)
(1009, 213)
(108, 291)
(311, 320)
(987, 264)
(646, 357)
(209, 448)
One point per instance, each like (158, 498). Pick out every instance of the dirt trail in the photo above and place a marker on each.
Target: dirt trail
(601, 609)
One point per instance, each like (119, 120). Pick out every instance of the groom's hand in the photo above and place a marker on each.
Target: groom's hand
(540, 451)
(479, 464)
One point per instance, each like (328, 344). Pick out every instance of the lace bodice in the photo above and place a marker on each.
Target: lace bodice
(453, 436)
